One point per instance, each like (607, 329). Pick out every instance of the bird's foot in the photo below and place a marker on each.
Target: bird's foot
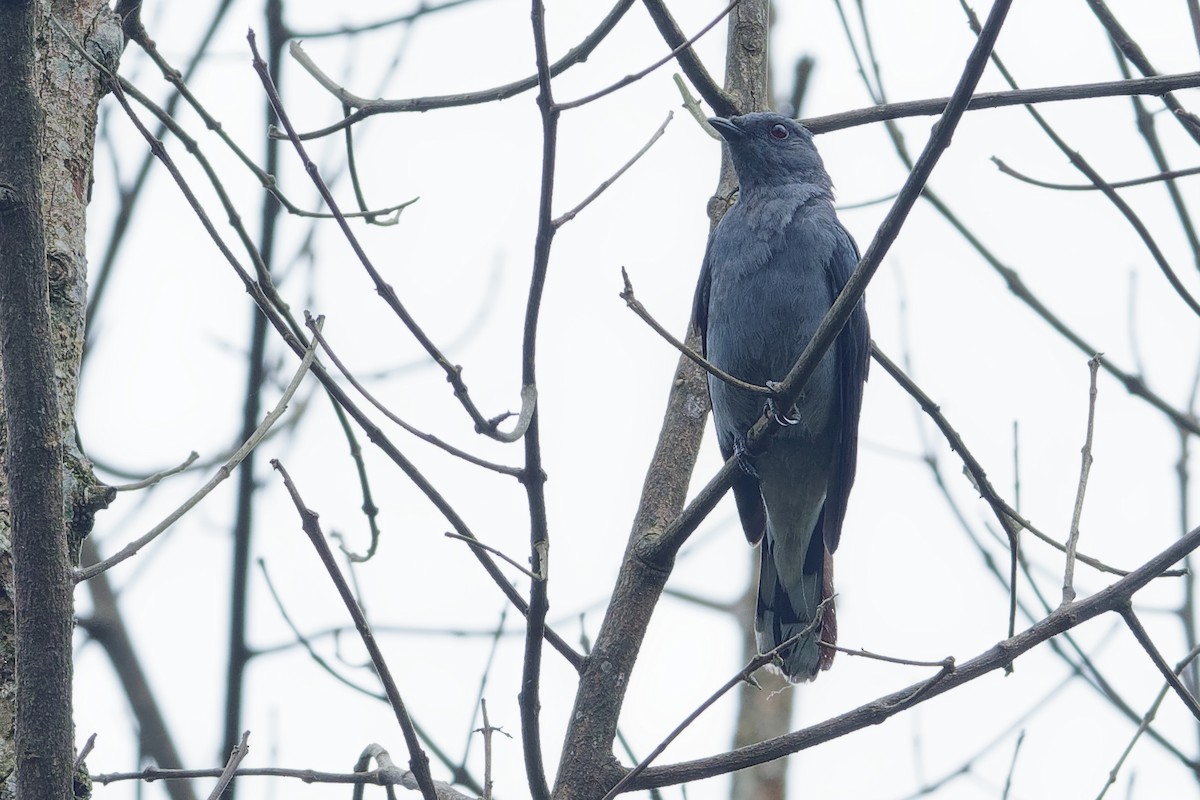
(743, 457)
(772, 409)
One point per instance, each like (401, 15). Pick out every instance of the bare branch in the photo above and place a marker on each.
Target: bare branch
(1006, 515)
(427, 437)
(1091, 187)
(385, 290)
(1068, 593)
(574, 212)
(718, 100)
(1136, 57)
(1113, 598)
(1083, 166)
(423, 10)
(636, 307)
(224, 472)
(945, 663)
(158, 476)
(1051, 94)
(534, 477)
(367, 108)
(1139, 633)
(418, 761)
(235, 759)
(1144, 725)
(476, 543)
(84, 752)
(637, 76)
(743, 676)
(1012, 766)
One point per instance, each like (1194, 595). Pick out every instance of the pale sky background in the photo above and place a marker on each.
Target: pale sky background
(166, 377)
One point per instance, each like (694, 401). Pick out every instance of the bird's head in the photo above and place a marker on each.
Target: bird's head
(769, 149)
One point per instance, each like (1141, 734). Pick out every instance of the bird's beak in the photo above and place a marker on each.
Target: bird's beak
(729, 131)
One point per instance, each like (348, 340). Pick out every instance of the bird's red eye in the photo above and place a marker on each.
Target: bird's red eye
(779, 132)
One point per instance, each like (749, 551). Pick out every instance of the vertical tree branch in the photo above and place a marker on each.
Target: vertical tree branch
(1068, 592)
(107, 627)
(41, 568)
(48, 496)
(243, 526)
(533, 476)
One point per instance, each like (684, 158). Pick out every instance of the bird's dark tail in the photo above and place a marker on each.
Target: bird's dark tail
(803, 607)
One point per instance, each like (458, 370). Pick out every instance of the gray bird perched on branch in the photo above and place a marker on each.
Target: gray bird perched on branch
(774, 265)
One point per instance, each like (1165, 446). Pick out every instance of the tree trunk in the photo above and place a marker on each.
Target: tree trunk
(48, 99)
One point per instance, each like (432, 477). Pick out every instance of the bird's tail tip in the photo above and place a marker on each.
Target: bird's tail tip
(805, 616)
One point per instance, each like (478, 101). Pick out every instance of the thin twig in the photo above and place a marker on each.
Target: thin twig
(945, 663)
(1168, 175)
(743, 676)
(1157, 85)
(306, 643)
(367, 107)
(418, 761)
(427, 437)
(574, 212)
(130, 194)
(1085, 665)
(384, 289)
(716, 97)
(1139, 633)
(240, 751)
(390, 214)
(1136, 57)
(476, 543)
(1144, 725)
(1068, 594)
(261, 294)
(487, 732)
(84, 752)
(1012, 766)
(224, 472)
(637, 76)
(158, 476)
(1133, 383)
(401, 777)
(459, 772)
(692, 105)
(1111, 598)
(423, 9)
(636, 306)
(1078, 161)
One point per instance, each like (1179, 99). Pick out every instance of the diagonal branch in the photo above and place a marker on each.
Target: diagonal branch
(418, 762)
(385, 290)
(1156, 85)
(367, 108)
(1139, 633)
(1113, 598)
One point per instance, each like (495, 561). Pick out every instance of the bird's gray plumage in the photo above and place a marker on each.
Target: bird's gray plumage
(774, 265)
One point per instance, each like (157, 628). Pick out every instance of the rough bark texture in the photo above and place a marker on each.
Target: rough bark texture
(48, 100)
(588, 767)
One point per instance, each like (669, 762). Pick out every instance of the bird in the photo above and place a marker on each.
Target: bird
(773, 267)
